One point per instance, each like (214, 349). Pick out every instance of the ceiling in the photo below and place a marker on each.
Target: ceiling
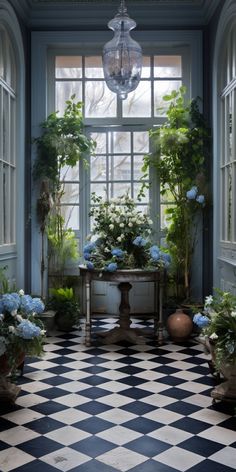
(45, 14)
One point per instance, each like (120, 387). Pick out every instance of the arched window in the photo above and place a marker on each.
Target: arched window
(7, 140)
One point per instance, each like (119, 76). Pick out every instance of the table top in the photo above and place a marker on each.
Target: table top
(124, 275)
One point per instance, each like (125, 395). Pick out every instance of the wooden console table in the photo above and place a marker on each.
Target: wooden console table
(124, 278)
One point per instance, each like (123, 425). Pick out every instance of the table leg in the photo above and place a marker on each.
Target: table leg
(124, 307)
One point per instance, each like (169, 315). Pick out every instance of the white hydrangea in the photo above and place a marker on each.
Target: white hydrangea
(21, 292)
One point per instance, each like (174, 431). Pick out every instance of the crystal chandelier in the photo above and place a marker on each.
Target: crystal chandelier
(122, 56)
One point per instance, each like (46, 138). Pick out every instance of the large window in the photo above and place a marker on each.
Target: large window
(120, 129)
(228, 144)
(7, 141)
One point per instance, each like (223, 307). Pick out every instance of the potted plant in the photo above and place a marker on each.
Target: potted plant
(64, 303)
(62, 143)
(218, 324)
(21, 334)
(180, 150)
(120, 238)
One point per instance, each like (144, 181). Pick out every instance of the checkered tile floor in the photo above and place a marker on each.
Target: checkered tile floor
(138, 408)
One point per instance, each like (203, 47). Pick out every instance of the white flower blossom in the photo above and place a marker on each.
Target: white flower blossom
(208, 300)
(213, 336)
(111, 227)
(130, 224)
(19, 318)
(119, 239)
(12, 329)
(14, 313)
(106, 249)
(233, 314)
(122, 225)
(21, 292)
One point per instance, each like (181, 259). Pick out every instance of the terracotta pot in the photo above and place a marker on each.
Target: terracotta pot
(179, 325)
(4, 367)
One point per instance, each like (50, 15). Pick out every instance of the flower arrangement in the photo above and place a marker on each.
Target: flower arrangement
(20, 329)
(218, 324)
(122, 235)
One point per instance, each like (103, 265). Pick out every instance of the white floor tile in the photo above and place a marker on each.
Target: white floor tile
(179, 459)
(219, 434)
(12, 458)
(67, 435)
(226, 456)
(65, 459)
(122, 459)
(119, 435)
(170, 435)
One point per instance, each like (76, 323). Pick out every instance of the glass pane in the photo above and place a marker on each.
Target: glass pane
(165, 218)
(71, 216)
(138, 102)
(98, 168)
(119, 189)
(12, 219)
(70, 173)
(119, 142)
(64, 91)
(100, 139)
(141, 141)
(145, 67)
(167, 196)
(100, 101)
(163, 88)
(93, 67)
(167, 66)
(138, 162)
(68, 67)
(5, 193)
(120, 168)
(99, 189)
(5, 127)
(145, 197)
(230, 136)
(71, 193)
(13, 131)
(2, 47)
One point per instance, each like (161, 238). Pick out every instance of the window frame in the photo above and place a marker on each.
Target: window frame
(133, 123)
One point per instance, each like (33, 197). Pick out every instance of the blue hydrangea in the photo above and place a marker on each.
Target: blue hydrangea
(140, 241)
(112, 267)
(192, 193)
(37, 305)
(118, 252)
(87, 256)
(201, 320)
(90, 265)
(155, 253)
(165, 257)
(89, 247)
(28, 330)
(200, 199)
(26, 304)
(10, 302)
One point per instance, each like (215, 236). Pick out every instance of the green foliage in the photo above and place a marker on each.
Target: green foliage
(5, 287)
(63, 301)
(62, 142)
(218, 321)
(180, 151)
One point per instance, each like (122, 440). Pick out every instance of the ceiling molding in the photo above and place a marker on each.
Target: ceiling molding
(84, 13)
